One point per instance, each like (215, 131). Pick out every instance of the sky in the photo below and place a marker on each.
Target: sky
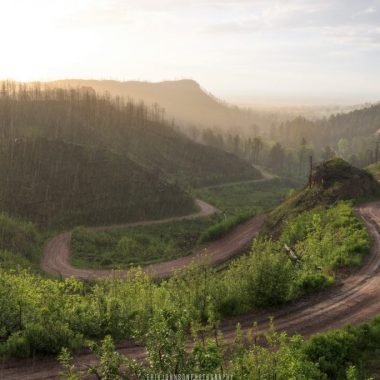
(305, 51)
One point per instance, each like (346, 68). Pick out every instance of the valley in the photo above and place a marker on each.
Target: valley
(190, 190)
(136, 226)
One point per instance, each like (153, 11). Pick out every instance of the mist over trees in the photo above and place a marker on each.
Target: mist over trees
(287, 147)
(72, 156)
(274, 137)
(269, 139)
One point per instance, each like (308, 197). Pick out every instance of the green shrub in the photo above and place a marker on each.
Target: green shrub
(334, 351)
(220, 229)
(17, 345)
(308, 283)
(20, 242)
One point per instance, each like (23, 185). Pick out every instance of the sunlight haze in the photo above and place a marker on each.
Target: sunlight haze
(301, 50)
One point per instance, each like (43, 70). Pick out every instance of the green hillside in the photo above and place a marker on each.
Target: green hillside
(332, 181)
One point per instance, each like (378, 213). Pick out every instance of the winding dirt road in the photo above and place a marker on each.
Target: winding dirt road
(56, 256)
(355, 300)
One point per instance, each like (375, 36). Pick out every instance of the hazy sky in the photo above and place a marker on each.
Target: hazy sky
(237, 49)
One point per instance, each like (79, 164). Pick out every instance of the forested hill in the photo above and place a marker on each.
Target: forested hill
(119, 150)
(134, 130)
(358, 128)
(55, 183)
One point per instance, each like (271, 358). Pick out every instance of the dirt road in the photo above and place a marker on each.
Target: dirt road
(355, 300)
(56, 256)
(266, 176)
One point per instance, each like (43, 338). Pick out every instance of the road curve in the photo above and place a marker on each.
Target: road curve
(355, 300)
(266, 176)
(56, 255)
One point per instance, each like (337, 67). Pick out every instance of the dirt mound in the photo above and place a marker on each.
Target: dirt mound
(332, 181)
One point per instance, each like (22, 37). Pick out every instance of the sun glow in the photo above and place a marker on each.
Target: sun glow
(237, 49)
(40, 42)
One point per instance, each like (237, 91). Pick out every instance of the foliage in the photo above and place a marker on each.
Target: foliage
(221, 228)
(277, 356)
(144, 245)
(44, 315)
(345, 352)
(54, 183)
(272, 356)
(81, 117)
(263, 278)
(20, 242)
(141, 245)
(374, 169)
(332, 238)
(332, 181)
(254, 197)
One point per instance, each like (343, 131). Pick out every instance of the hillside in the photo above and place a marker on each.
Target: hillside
(55, 183)
(332, 181)
(133, 130)
(183, 100)
(352, 135)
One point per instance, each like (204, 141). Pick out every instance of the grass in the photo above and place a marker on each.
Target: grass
(20, 243)
(217, 230)
(142, 245)
(374, 169)
(254, 197)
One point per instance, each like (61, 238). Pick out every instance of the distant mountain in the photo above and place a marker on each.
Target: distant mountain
(183, 100)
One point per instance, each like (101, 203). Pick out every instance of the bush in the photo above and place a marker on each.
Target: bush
(334, 351)
(17, 345)
(227, 224)
(307, 283)
(19, 242)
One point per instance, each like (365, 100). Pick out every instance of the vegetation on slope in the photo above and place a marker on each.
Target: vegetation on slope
(332, 181)
(54, 183)
(254, 197)
(20, 243)
(143, 245)
(140, 133)
(65, 313)
(286, 146)
(350, 353)
(374, 169)
(134, 246)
